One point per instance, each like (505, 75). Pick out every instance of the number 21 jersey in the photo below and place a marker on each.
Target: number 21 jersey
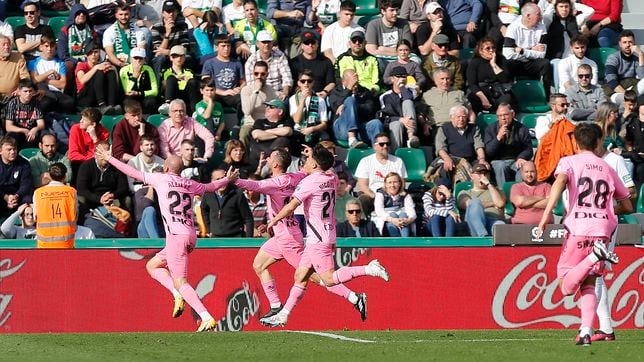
(317, 192)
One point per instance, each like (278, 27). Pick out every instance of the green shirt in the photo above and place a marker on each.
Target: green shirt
(40, 164)
(217, 115)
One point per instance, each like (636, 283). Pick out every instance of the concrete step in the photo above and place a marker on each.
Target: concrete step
(633, 20)
(633, 6)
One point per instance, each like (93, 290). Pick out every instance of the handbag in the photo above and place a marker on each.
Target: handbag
(113, 217)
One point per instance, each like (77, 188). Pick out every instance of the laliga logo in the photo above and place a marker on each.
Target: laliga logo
(629, 303)
(6, 271)
(536, 238)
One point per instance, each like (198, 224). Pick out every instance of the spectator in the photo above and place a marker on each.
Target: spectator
(128, 132)
(442, 97)
(27, 229)
(413, 11)
(205, 35)
(139, 82)
(607, 115)
(179, 81)
(50, 76)
(436, 24)
(254, 95)
(561, 26)
(351, 104)
(194, 10)
(97, 82)
(502, 13)
(192, 168)
(440, 210)
(259, 208)
(47, 156)
(557, 138)
(6, 29)
(355, 226)
(385, 32)
(394, 208)
(247, 30)
(340, 167)
(226, 212)
(279, 73)
(634, 139)
(400, 113)
(416, 78)
(371, 171)
(100, 184)
(489, 78)
(235, 156)
(145, 161)
(322, 13)
(232, 14)
(289, 17)
(149, 224)
(483, 204)
(605, 24)
(208, 112)
(584, 97)
(507, 145)
(268, 130)
(458, 140)
(13, 68)
(525, 46)
(440, 58)
(28, 35)
(365, 65)
(180, 127)
(123, 36)
(23, 116)
(74, 37)
(227, 73)
(310, 59)
(308, 110)
(568, 66)
(16, 184)
(84, 136)
(336, 37)
(529, 197)
(558, 111)
(342, 196)
(466, 16)
(624, 69)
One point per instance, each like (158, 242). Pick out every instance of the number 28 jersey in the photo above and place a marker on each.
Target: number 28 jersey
(317, 192)
(592, 186)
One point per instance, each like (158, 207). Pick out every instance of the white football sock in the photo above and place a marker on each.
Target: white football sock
(353, 298)
(603, 309)
(205, 316)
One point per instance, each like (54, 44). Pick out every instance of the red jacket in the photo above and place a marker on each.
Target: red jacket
(81, 146)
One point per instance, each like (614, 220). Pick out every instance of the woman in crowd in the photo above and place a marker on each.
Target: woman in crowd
(403, 49)
(235, 157)
(489, 79)
(440, 211)
(605, 24)
(606, 117)
(394, 208)
(205, 36)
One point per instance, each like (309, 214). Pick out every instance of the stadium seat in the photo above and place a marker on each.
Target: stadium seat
(355, 155)
(57, 24)
(640, 200)
(466, 54)
(461, 186)
(261, 6)
(28, 153)
(599, 55)
(414, 160)
(366, 7)
(559, 209)
(485, 119)
(54, 13)
(509, 207)
(156, 119)
(15, 21)
(110, 121)
(364, 20)
(531, 96)
(530, 121)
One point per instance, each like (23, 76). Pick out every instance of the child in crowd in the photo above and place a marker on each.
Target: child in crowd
(208, 111)
(179, 81)
(24, 117)
(50, 75)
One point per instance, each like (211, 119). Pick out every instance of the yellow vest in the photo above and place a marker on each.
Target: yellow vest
(55, 216)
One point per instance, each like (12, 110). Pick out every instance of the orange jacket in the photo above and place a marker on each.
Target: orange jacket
(557, 143)
(55, 216)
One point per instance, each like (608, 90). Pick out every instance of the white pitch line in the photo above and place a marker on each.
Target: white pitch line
(489, 340)
(334, 336)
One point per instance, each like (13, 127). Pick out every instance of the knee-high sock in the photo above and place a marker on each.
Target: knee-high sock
(347, 273)
(572, 280)
(603, 309)
(340, 290)
(297, 292)
(163, 276)
(271, 293)
(190, 296)
(588, 306)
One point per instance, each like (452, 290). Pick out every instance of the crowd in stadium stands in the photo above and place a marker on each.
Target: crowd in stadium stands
(449, 86)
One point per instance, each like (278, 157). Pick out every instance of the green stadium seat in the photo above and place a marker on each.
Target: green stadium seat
(466, 54)
(156, 119)
(73, 118)
(55, 13)
(110, 121)
(355, 155)
(366, 7)
(15, 21)
(28, 153)
(531, 96)
(414, 160)
(262, 5)
(640, 200)
(57, 24)
(559, 209)
(509, 207)
(599, 55)
(485, 119)
(460, 187)
(530, 121)
(365, 19)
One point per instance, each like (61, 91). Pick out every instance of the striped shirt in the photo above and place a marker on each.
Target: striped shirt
(279, 72)
(433, 207)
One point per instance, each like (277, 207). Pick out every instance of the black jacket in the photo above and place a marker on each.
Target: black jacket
(91, 183)
(366, 100)
(367, 229)
(231, 218)
(15, 178)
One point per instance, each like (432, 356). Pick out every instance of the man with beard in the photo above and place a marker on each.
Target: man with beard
(529, 197)
(47, 156)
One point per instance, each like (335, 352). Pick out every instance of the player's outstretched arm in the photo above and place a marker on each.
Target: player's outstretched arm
(287, 210)
(555, 194)
(217, 184)
(126, 169)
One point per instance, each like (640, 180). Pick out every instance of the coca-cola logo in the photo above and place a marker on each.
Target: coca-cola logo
(346, 256)
(538, 299)
(241, 306)
(6, 270)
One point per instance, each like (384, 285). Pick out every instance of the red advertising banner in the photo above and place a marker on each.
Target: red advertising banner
(430, 288)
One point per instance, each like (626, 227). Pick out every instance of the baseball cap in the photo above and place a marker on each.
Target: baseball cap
(178, 50)
(399, 72)
(170, 6)
(479, 168)
(276, 103)
(440, 39)
(308, 35)
(264, 35)
(357, 34)
(137, 52)
(432, 6)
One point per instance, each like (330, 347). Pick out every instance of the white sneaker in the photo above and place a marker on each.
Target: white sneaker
(603, 254)
(164, 109)
(277, 320)
(376, 270)
(413, 142)
(357, 144)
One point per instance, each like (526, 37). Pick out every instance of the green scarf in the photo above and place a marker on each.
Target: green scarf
(121, 46)
(250, 37)
(76, 40)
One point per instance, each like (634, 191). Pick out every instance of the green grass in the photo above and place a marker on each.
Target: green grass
(281, 345)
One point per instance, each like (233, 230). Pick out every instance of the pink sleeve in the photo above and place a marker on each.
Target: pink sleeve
(562, 167)
(216, 185)
(126, 169)
(263, 186)
(302, 191)
(207, 137)
(163, 139)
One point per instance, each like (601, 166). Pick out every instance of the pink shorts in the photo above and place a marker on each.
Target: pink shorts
(574, 250)
(175, 253)
(319, 256)
(285, 246)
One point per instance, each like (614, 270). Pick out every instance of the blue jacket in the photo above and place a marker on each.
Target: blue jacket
(461, 12)
(15, 178)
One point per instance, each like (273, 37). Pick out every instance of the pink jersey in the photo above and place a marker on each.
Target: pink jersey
(278, 191)
(592, 184)
(317, 193)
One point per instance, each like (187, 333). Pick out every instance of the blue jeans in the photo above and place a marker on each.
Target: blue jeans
(393, 230)
(505, 170)
(148, 226)
(437, 223)
(348, 122)
(607, 38)
(478, 223)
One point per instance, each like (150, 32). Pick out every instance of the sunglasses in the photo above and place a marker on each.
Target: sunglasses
(584, 75)
(310, 42)
(30, 12)
(306, 80)
(357, 40)
(564, 104)
(137, 58)
(266, 41)
(383, 144)
(441, 45)
(260, 74)
(176, 55)
(355, 211)
(270, 107)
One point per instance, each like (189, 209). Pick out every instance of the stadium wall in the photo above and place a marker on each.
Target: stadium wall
(470, 287)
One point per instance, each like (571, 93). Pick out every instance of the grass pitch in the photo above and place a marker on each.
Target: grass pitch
(285, 345)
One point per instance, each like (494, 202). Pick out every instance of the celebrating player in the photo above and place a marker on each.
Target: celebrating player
(170, 266)
(317, 192)
(590, 221)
